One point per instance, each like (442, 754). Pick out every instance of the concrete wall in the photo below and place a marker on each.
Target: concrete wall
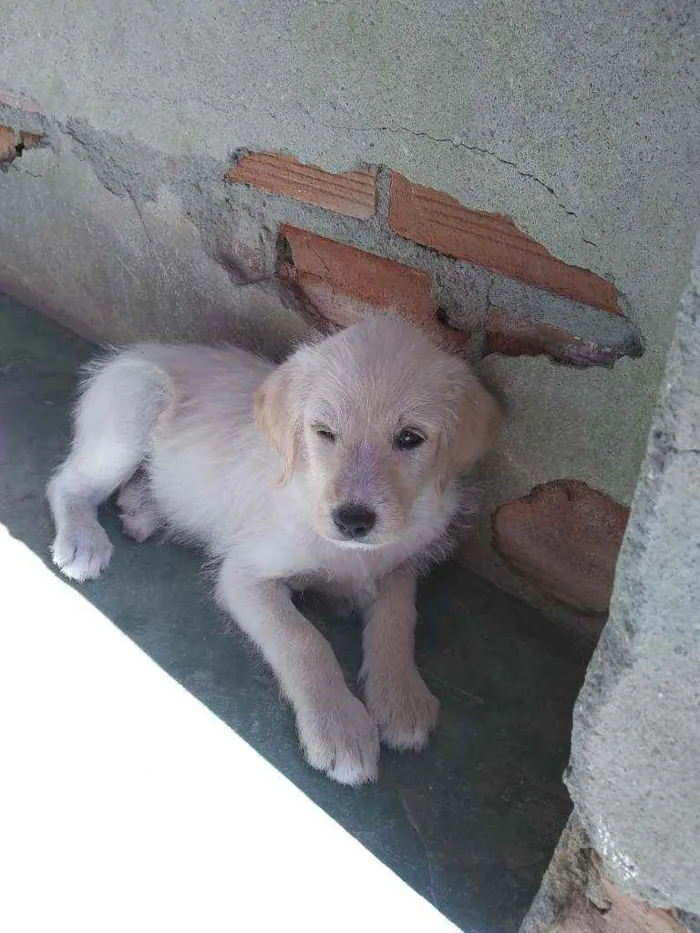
(578, 120)
(635, 766)
(629, 859)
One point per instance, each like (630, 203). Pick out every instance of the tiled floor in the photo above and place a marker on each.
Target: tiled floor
(471, 822)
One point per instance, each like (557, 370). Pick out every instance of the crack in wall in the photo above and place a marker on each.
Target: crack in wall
(493, 155)
(458, 144)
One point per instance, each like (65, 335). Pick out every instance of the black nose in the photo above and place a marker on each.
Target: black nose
(354, 520)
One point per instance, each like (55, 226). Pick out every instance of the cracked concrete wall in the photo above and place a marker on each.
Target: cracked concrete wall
(578, 120)
(577, 896)
(635, 764)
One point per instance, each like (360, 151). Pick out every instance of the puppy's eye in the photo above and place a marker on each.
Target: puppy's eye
(325, 433)
(408, 439)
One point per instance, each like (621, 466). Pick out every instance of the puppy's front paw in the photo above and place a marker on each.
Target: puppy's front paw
(403, 708)
(339, 738)
(82, 552)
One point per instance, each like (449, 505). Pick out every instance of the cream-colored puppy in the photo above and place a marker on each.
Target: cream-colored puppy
(338, 467)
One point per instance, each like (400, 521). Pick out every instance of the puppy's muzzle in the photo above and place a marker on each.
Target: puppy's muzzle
(354, 520)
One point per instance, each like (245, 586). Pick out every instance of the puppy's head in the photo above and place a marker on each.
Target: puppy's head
(379, 421)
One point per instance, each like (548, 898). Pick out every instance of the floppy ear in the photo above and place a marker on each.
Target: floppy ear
(480, 418)
(277, 410)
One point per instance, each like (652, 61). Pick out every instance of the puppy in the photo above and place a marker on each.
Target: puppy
(337, 467)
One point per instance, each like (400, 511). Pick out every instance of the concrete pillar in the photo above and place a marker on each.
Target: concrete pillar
(634, 775)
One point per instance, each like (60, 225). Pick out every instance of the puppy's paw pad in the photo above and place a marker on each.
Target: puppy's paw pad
(82, 553)
(340, 738)
(404, 709)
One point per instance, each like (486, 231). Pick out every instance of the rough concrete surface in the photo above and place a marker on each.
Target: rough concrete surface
(579, 122)
(577, 897)
(635, 765)
(563, 881)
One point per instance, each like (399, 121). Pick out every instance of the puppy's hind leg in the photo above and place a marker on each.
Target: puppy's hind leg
(138, 511)
(113, 424)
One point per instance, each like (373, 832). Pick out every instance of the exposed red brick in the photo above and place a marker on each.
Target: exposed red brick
(29, 140)
(437, 220)
(8, 149)
(343, 284)
(351, 193)
(515, 335)
(604, 908)
(565, 536)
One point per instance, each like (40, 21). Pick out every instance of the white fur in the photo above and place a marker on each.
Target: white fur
(173, 426)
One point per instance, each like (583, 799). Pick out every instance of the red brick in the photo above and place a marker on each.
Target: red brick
(515, 335)
(434, 219)
(30, 140)
(565, 536)
(343, 284)
(8, 149)
(351, 193)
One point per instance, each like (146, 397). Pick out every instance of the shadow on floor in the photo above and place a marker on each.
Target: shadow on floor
(470, 823)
